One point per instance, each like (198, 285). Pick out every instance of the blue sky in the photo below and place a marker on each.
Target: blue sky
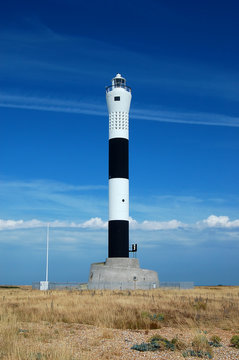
(181, 60)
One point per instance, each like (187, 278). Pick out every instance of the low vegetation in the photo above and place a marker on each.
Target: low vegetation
(215, 341)
(33, 323)
(200, 346)
(157, 343)
(235, 341)
(126, 309)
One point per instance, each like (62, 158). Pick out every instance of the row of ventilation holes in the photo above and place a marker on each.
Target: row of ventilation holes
(118, 118)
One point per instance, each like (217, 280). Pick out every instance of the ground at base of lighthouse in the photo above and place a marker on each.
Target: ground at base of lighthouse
(121, 274)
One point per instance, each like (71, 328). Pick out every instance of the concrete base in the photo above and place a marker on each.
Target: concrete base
(121, 274)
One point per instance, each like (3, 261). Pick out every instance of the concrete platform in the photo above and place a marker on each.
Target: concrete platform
(121, 274)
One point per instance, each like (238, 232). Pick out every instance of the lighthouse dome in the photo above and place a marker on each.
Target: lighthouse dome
(118, 81)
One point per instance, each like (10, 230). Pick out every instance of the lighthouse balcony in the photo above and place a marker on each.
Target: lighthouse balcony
(116, 86)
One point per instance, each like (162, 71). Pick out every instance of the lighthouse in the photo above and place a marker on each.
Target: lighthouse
(118, 98)
(119, 271)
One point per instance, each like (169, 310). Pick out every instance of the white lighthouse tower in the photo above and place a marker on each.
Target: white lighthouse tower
(118, 97)
(119, 271)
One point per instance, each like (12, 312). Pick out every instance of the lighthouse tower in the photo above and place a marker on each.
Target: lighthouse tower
(119, 271)
(118, 97)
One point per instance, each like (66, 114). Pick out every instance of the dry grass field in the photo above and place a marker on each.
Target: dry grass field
(96, 325)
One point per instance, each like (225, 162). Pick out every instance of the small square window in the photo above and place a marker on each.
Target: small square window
(117, 98)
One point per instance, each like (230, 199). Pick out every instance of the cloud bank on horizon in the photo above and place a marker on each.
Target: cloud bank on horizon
(212, 221)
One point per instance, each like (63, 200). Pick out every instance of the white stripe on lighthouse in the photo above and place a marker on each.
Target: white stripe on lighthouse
(119, 125)
(118, 199)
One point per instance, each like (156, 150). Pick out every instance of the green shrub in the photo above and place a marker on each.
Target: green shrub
(143, 347)
(157, 342)
(162, 343)
(215, 341)
(200, 354)
(179, 345)
(201, 344)
(235, 341)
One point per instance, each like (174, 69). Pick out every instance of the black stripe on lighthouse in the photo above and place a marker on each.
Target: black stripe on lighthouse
(118, 158)
(118, 238)
(118, 230)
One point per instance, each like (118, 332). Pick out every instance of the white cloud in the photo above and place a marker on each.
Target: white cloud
(156, 225)
(19, 224)
(162, 225)
(92, 108)
(47, 186)
(69, 72)
(214, 221)
(97, 223)
(93, 223)
(50, 104)
(72, 235)
(194, 118)
(44, 199)
(39, 41)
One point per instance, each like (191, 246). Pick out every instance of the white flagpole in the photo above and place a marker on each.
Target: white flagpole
(47, 248)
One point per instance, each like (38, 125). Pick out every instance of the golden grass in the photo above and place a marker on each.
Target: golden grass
(31, 321)
(17, 343)
(125, 309)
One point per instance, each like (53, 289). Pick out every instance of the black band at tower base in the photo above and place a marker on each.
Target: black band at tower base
(118, 238)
